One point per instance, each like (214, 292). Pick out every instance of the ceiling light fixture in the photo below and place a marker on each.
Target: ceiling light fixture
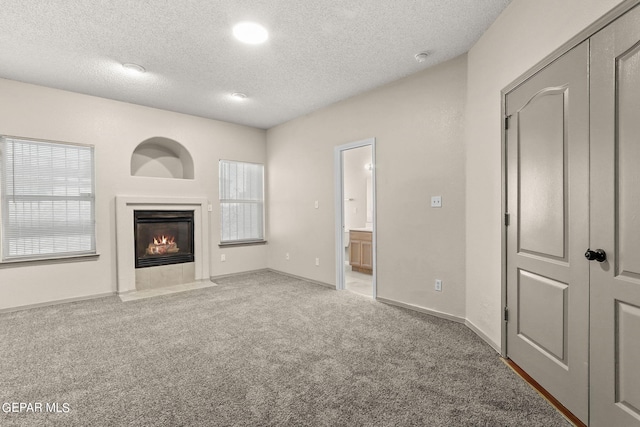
(134, 67)
(421, 57)
(239, 96)
(250, 32)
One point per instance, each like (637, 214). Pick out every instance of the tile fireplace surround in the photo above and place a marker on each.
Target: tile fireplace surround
(125, 245)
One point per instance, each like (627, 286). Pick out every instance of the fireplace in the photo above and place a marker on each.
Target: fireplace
(163, 237)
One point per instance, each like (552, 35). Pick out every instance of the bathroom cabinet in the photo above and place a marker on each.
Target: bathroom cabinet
(361, 251)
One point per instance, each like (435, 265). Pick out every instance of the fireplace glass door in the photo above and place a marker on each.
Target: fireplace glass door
(163, 237)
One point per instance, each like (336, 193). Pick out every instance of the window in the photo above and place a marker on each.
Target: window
(47, 199)
(241, 202)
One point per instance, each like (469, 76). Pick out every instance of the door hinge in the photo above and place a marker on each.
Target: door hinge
(506, 122)
(507, 219)
(506, 314)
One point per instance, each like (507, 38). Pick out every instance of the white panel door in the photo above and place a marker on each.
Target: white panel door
(547, 195)
(615, 223)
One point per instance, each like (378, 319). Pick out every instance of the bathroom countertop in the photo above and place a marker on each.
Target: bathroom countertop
(362, 229)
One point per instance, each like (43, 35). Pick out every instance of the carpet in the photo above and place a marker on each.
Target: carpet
(259, 349)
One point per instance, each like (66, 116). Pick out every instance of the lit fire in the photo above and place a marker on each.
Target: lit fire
(162, 245)
(163, 240)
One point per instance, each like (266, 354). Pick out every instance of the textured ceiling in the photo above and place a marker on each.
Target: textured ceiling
(319, 51)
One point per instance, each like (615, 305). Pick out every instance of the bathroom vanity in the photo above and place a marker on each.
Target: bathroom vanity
(361, 250)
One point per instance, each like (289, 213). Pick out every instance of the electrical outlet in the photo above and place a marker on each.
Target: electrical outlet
(317, 261)
(436, 201)
(286, 256)
(223, 257)
(438, 285)
(316, 204)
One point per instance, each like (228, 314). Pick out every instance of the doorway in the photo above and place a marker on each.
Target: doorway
(572, 287)
(548, 231)
(355, 217)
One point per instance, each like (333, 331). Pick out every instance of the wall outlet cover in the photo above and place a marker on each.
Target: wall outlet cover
(436, 201)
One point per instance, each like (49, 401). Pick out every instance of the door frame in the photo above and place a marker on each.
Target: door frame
(339, 210)
(584, 35)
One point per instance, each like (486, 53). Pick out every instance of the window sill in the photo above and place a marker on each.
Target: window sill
(52, 260)
(242, 243)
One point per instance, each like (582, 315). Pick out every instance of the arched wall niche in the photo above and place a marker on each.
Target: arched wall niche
(160, 157)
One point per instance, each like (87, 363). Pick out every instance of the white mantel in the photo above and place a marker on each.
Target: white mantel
(125, 239)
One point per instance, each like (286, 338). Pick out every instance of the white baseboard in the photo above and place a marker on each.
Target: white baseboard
(315, 282)
(239, 273)
(422, 310)
(442, 315)
(484, 336)
(56, 302)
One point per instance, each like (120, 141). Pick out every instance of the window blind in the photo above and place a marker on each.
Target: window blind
(241, 201)
(47, 199)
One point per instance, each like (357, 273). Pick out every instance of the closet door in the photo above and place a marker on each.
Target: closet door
(547, 194)
(615, 223)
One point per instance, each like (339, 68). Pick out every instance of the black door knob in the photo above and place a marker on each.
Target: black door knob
(597, 255)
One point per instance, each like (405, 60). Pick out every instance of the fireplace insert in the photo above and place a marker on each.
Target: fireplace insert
(163, 237)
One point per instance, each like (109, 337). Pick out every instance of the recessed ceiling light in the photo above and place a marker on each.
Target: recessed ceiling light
(250, 32)
(422, 56)
(239, 95)
(134, 67)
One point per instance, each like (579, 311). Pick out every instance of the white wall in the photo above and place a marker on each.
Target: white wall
(418, 126)
(525, 33)
(116, 128)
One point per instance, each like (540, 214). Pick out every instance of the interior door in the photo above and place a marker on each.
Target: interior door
(615, 223)
(547, 200)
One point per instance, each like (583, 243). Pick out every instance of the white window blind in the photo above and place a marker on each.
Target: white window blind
(241, 201)
(47, 199)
